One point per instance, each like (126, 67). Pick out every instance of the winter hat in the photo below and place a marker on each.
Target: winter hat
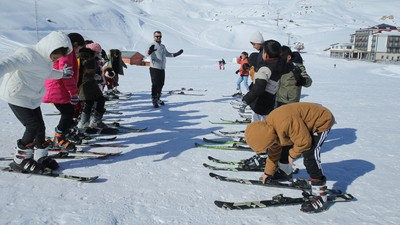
(259, 136)
(296, 58)
(94, 47)
(253, 59)
(75, 37)
(256, 38)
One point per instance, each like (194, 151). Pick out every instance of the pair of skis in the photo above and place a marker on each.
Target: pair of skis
(235, 166)
(187, 91)
(126, 129)
(235, 95)
(278, 200)
(334, 195)
(238, 143)
(114, 128)
(234, 146)
(224, 121)
(49, 173)
(61, 154)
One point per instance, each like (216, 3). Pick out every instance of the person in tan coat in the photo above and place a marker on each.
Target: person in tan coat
(304, 126)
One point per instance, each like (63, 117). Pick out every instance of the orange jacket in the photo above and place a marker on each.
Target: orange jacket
(241, 62)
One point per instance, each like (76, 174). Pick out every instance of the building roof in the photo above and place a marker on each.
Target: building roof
(128, 54)
(384, 26)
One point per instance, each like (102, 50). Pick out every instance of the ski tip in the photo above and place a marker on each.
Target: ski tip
(210, 158)
(349, 197)
(214, 175)
(197, 144)
(218, 203)
(89, 179)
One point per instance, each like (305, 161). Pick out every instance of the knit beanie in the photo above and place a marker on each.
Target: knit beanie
(94, 47)
(256, 38)
(259, 136)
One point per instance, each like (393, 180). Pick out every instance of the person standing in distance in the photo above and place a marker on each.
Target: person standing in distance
(158, 54)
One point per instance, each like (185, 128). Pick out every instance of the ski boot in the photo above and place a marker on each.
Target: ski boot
(284, 172)
(84, 121)
(160, 102)
(75, 136)
(116, 91)
(96, 120)
(23, 160)
(317, 201)
(60, 141)
(155, 103)
(41, 155)
(255, 163)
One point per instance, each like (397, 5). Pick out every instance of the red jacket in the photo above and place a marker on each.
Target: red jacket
(60, 91)
(241, 62)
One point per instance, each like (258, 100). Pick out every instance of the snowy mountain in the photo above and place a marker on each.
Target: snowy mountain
(159, 178)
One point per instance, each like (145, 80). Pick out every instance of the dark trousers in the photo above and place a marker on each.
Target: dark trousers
(285, 154)
(312, 157)
(67, 116)
(32, 120)
(88, 106)
(157, 82)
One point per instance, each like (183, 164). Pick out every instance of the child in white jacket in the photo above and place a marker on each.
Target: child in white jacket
(23, 88)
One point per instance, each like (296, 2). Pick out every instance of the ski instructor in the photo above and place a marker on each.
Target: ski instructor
(158, 54)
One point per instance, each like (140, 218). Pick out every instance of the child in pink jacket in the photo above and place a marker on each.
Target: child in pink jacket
(64, 94)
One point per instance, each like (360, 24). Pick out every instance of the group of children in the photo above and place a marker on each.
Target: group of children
(75, 71)
(282, 128)
(74, 74)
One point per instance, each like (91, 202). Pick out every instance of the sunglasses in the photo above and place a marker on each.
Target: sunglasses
(158, 36)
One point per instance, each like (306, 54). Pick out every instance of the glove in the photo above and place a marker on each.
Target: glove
(67, 71)
(301, 81)
(237, 71)
(151, 49)
(178, 53)
(74, 99)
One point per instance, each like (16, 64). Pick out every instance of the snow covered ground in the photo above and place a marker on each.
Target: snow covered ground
(159, 178)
